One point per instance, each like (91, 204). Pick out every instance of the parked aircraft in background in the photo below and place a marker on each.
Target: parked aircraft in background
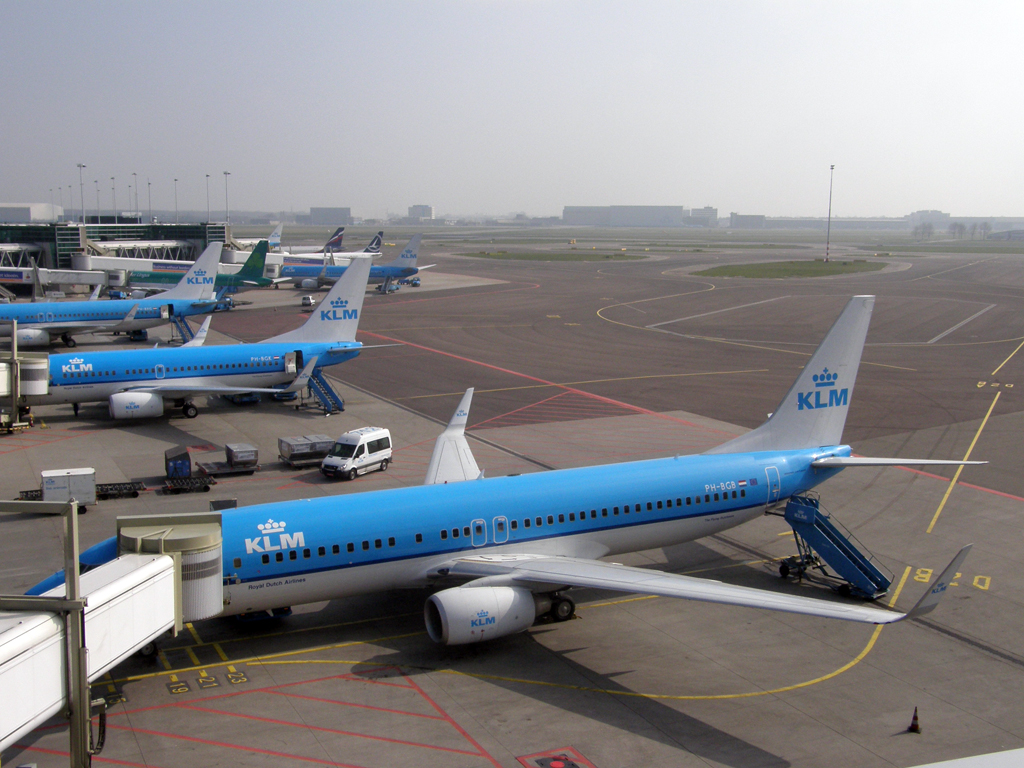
(137, 383)
(332, 250)
(41, 322)
(505, 550)
(248, 277)
(274, 241)
(388, 276)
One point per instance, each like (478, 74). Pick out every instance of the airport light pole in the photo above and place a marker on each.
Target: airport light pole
(113, 198)
(129, 195)
(207, 198)
(175, 201)
(51, 203)
(227, 210)
(71, 202)
(136, 179)
(81, 189)
(149, 198)
(60, 196)
(97, 183)
(828, 230)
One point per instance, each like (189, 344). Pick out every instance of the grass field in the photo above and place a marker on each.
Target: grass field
(780, 269)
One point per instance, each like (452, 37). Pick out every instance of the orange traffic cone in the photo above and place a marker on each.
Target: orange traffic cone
(915, 726)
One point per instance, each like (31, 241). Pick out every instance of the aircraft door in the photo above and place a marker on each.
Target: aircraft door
(49, 317)
(774, 484)
(159, 370)
(500, 532)
(289, 364)
(479, 532)
(166, 311)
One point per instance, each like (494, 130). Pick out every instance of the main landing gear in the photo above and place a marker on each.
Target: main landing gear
(69, 340)
(562, 609)
(189, 410)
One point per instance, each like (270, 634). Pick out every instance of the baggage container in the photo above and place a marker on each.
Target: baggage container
(66, 484)
(242, 455)
(178, 462)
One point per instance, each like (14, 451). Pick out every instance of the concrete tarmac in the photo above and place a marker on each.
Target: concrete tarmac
(580, 364)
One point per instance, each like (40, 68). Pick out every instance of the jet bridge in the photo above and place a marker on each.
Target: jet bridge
(160, 572)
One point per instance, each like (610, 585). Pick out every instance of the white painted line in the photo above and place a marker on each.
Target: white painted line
(961, 325)
(715, 312)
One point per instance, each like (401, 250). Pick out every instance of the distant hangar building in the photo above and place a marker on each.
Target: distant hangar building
(421, 212)
(330, 217)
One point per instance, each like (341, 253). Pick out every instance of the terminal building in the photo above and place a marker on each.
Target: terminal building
(104, 254)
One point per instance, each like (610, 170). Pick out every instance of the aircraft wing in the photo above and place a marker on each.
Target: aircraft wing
(868, 461)
(452, 460)
(546, 573)
(181, 390)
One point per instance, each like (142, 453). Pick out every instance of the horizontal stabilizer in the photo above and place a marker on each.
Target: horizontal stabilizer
(452, 460)
(869, 461)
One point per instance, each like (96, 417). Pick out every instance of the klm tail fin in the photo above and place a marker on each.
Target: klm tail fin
(407, 258)
(814, 412)
(334, 243)
(274, 241)
(197, 284)
(375, 243)
(256, 263)
(337, 317)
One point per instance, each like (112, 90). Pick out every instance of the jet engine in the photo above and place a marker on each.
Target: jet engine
(136, 405)
(309, 284)
(33, 337)
(470, 614)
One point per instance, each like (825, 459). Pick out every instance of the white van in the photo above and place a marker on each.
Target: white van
(308, 301)
(357, 452)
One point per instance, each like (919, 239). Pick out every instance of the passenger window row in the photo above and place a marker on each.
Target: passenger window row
(293, 554)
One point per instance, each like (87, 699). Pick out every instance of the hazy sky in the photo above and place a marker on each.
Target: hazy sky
(493, 107)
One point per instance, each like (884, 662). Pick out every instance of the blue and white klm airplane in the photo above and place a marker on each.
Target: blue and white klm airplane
(137, 383)
(41, 322)
(387, 276)
(331, 250)
(508, 548)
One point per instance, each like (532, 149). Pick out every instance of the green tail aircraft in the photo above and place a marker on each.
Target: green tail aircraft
(248, 277)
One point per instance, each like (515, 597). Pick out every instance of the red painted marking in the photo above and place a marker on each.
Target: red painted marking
(981, 488)
(567, 388)
(40, 443)
(451, 721)
(399, 302)
(62, 753)
(226, 745)
(359, 706)
(989, 490)
(272, 721)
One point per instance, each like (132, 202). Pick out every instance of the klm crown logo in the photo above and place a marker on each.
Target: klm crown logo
(814, 400)
(339, 311)
(76, 365)
(274, 538)
(483, 619)
(199, 278)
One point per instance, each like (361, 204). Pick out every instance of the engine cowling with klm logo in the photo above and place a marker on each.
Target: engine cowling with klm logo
(135, 405)
(467, 614)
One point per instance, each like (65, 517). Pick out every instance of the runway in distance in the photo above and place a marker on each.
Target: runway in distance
(505, 550)
(387, 276)
(137, 383)
(42, 322)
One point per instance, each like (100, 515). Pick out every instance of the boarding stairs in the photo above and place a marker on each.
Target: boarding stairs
(322, 391)
(183, 328)
(823, 543)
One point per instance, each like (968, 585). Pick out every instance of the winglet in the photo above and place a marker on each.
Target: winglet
(200, 337)
(452, 460)
(95, 292)
(303, 378)
(931, 598)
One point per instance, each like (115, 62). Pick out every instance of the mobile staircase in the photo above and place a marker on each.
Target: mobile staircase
(330, 400)
(187, 334)
(823, 543)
